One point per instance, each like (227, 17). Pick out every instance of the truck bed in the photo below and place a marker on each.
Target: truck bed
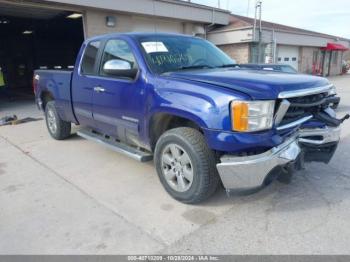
(58, 83)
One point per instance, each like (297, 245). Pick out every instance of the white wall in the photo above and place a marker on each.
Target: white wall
(230, 37)
(287, 38)
(143, 24)
(95, 24)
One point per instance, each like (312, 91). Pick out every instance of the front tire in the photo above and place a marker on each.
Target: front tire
(58, 129)
(185, 165)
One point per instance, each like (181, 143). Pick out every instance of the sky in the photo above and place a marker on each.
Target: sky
(325, 16)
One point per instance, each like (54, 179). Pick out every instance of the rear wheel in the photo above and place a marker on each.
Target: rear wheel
(185, 165)
(57, 128)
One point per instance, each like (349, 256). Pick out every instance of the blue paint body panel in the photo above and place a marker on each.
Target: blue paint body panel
(202, 96)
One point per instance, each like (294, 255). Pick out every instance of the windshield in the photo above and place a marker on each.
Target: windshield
(173, 53)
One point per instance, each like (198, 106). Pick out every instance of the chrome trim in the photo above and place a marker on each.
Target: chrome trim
(134, 120)
(328, 134)
(281, 112)
(116, 146)
(116, 64)
(250, 171)
(295, 123)
(99, 89)
(305, 92)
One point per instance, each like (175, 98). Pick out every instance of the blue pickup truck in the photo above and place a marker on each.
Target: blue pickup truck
(182, 102)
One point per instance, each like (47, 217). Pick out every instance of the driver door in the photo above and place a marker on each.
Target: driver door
(118, 99)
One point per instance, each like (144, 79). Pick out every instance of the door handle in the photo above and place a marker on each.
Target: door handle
(99, 89)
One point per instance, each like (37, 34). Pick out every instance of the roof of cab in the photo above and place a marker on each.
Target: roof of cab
(134, 35)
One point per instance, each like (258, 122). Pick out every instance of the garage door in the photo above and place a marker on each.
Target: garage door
(288, 55)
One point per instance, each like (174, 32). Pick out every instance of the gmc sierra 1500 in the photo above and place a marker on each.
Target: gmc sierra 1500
(182, 101)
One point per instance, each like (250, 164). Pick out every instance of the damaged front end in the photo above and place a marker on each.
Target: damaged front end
(319, 135)
(319, 145)
(311, 132)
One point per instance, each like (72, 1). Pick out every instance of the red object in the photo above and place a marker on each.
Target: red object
(35, 84)
(334, 47)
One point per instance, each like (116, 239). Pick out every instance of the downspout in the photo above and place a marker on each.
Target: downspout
(274, 43)
(212, 23)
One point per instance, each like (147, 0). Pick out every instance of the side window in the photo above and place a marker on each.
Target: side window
(117, 49)
(89, 59)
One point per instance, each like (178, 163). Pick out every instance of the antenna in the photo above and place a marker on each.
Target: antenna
(154, 16)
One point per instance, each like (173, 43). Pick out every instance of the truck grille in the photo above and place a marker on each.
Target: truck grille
(304, 106)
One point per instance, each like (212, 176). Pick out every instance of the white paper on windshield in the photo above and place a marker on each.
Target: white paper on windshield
(154, 47)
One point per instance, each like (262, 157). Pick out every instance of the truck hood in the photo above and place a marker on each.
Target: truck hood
(254, 83)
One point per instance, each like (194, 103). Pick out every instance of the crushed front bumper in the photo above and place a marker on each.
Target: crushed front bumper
(248, 172)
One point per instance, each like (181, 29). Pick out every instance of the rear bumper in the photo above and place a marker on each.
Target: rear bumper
(240, 173)
(39, 104)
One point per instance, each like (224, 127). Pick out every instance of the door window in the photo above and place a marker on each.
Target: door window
(89, 59)
(117, 49)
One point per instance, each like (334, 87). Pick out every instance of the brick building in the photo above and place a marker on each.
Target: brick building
(307, 51)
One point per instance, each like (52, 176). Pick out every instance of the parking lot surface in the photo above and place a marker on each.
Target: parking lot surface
(77, 197)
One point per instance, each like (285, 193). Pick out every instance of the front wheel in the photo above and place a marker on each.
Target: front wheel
(185, 165)
(57, 128)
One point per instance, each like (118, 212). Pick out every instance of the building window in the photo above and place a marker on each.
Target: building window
(294, 59)
(279, 59)
(335, 58)
(286, 59)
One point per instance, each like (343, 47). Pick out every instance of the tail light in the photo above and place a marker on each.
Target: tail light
(36, 78)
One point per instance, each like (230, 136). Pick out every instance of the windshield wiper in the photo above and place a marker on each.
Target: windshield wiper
(229, 65)
(195, 67)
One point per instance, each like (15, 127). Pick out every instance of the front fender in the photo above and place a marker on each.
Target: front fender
(206, 105)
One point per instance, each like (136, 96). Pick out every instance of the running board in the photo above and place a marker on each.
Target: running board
(116, 146)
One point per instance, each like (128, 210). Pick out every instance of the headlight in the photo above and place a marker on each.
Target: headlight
(332, 91)
(249, 116)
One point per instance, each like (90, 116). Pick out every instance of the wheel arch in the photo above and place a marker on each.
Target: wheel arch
(161, 122)
(45, 97)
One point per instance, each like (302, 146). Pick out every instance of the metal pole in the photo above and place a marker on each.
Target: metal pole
(274, 45)
(260, 33)
(254, 27)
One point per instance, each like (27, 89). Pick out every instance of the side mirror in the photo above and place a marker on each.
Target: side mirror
(119, 68)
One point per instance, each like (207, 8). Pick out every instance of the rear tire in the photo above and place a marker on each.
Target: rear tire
(58, 129)
(185, 165)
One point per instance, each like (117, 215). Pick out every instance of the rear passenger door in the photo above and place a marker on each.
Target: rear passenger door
(83, 83)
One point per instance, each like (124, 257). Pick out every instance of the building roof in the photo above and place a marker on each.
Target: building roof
(238, 21)
(176, 9)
